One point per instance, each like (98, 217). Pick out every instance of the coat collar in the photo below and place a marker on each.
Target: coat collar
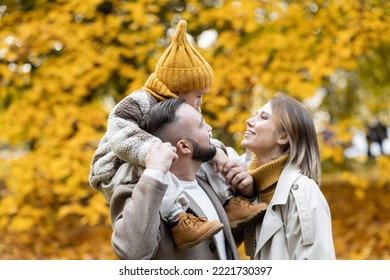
(288, 176)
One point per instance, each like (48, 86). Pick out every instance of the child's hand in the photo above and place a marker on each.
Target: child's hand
(239, 178)
(219, 160)
(160, 156)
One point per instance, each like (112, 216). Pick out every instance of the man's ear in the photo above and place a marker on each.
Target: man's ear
(184, 146)
(283, 139)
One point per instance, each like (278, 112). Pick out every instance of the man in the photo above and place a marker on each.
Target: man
(138, 229)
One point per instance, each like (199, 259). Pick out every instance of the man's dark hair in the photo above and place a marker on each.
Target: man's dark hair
(160, 116)
(159, 123)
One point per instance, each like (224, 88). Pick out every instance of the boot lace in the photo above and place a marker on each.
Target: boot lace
(189, 221)
(242, 201)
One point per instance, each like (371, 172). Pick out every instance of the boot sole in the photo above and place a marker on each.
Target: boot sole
(240, 224)
(213, 231)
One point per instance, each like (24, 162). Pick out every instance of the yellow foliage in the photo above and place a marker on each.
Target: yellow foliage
(383, 164)
(21, 224)
(8, 207)
(360, 226)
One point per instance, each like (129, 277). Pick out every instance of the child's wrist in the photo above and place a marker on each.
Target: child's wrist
(250, 197)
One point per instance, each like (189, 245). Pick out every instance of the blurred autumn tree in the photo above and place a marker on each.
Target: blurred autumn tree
(65, 63)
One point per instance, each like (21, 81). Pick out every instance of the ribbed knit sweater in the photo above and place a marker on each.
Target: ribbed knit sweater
(266, 176)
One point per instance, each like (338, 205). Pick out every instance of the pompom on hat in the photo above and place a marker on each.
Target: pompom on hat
(181, 68)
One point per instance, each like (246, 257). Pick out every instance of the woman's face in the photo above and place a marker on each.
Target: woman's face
(262, 136)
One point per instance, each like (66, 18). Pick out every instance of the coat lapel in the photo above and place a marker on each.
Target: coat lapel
(194, 207)
(274, 223)
(217, 204)
(272, 220)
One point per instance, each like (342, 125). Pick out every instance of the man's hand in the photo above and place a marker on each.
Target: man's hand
(161, 156)
(239, 178)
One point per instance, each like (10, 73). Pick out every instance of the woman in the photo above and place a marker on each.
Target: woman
(286, 173)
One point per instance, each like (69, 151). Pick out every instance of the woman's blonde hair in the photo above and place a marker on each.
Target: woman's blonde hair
(295, 120)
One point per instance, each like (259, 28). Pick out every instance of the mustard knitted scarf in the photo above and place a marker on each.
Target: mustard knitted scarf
(156, 88)
(266, 176)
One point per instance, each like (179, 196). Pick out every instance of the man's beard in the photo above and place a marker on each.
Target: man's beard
(202, 154)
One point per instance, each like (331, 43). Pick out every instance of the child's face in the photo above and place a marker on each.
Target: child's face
(193, 98)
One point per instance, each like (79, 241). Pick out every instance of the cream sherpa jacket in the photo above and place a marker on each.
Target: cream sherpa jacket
(124, 140)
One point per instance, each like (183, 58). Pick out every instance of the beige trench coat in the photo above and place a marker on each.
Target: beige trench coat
(297, 224)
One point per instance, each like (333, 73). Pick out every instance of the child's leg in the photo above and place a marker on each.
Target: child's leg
(223, 191)
(174, 201)
(238, 209)
(187, 230)
(125, 174)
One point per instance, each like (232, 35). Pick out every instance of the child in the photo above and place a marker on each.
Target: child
(180, 72)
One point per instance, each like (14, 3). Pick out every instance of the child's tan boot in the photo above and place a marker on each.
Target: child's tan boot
(241, 212)
(192, 230)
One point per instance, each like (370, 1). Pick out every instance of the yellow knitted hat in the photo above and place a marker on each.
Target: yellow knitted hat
(181, 68)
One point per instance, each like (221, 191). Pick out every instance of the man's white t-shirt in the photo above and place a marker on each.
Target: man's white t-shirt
(198, 194)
